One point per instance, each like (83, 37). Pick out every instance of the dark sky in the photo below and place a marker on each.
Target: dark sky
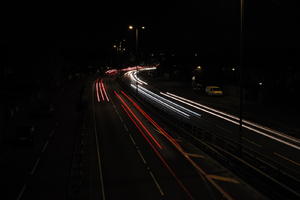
(183, 25)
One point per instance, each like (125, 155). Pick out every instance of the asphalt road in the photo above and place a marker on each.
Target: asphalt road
(138, 159)
(277, 147)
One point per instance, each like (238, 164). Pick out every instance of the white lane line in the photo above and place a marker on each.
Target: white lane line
(132, 139)
(141, 155)
(157, 184)
(45, 146)
(35, 166)
(125, 127)
(97, 147)
(120, 117)
(22, 192)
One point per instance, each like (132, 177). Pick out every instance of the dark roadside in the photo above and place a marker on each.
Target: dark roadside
(281, 117)
(38, 164)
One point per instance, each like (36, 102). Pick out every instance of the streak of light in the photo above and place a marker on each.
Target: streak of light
(162, 103)
(162, 131)
(159, 155)
(169, 102)
(100, 88)
(179, 148)
(97, 91)
(288, 159)
(215, 113)
(104, 90)
(245, 121)
(137, 79)
(138, 120)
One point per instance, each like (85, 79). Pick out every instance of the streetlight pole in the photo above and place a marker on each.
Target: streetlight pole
(242, 32)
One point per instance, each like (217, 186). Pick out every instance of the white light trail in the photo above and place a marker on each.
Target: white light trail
(235, 120)
(169, 102)
(163, 103)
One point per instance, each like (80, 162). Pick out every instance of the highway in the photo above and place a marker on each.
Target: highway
(139, 157)
(270, 149)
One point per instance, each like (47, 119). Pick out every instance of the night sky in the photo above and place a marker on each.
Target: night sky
(33, 30)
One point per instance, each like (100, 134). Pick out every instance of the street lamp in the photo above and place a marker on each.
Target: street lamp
(242, 31)
(137, 28)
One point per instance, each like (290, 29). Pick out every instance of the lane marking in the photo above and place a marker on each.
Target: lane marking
(222, 178)
(45, 146)
(125, 127)
(180, 183)
(258, 170)
(120, 117)
(35, 166)
(97, 147)
(141, 155)
(132, 139)
(288, 159)
(22, 192)
(157, 184)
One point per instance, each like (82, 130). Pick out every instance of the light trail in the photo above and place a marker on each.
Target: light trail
(104, 90)
(161, 130)
(100, 88)
(235, 120)
(97, 91)
(169, 102)
(180, 183)
(200, 171)
(138, 120)
(137, 79)
(163, 103)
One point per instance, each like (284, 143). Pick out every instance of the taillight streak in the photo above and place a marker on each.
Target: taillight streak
(150, 119)
(104, 90)
(201, 172)
(100, 88)
(138, 120)
(158, 154)
(97, 91)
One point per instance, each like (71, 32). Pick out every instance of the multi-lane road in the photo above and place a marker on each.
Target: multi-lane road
(139, 157)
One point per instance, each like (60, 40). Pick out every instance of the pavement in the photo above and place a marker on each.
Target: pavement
(136, 161)
(41, 169)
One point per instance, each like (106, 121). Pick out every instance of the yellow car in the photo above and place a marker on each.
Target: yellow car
(213, 91)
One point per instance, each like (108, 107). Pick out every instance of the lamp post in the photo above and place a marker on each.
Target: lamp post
(242, 31)
(136, 28)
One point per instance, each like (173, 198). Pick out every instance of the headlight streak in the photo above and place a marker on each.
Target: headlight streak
(138, 80)
(139, 121)
(163, 103)
(193, 104)
(170, 102)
